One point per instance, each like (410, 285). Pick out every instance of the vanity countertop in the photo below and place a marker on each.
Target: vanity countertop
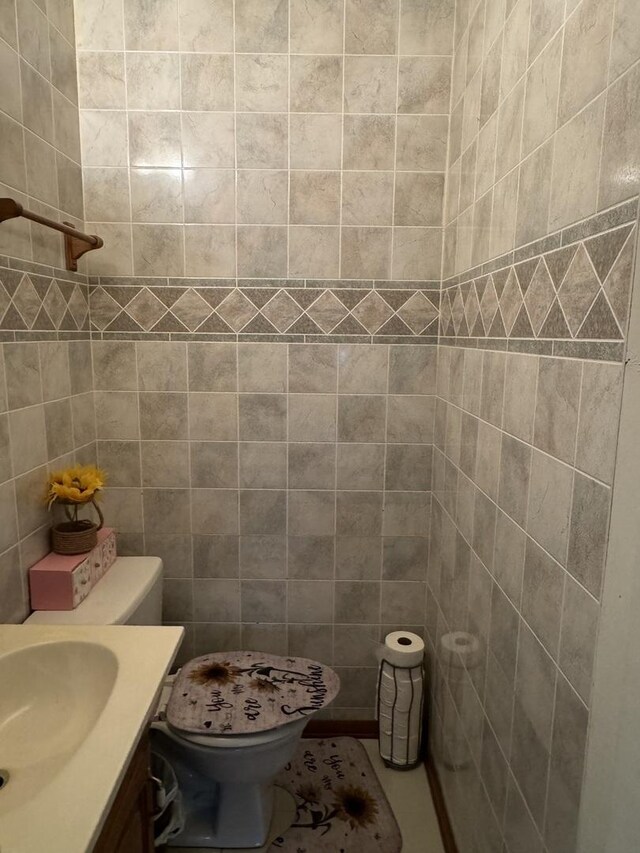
(96, 689)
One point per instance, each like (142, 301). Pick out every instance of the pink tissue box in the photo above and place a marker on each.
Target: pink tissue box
(60, 582)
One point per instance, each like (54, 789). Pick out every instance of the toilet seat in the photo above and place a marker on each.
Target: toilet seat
(246, 695)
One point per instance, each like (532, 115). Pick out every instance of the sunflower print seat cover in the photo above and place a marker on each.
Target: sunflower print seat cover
(229, 693)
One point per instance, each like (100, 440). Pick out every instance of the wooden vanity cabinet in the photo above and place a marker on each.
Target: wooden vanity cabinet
(129, 825)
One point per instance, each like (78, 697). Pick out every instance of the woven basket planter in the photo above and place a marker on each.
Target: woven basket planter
(76, 537)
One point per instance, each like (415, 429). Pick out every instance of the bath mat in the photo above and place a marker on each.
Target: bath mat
(341, 807)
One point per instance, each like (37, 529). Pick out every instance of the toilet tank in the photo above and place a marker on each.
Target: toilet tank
(129, 594)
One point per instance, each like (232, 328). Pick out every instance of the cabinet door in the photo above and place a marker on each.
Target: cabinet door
(128, 827)
(133, 838)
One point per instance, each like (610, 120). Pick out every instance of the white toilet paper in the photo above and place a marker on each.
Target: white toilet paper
(400, 751)
(403, 725)
(397, 692)
(402, 648)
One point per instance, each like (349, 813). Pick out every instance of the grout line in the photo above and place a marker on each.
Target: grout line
(237, 442)
(286, 498)
(226, 224)
(110, 167)
(236, 183)
(261, 112)
(128, 225)
(288, 240)
(261, 53)
(545, 807)
(336, 350)
(12, 481)
(384, 484)
(342, 114)
(140, 462)
(22, 127)
(607, 93)
(182, 174)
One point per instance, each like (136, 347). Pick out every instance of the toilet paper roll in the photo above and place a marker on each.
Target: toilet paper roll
(400, 750)
(402, 648)
(400, 675)
(402, 725)
(459, 648)
(400, 704)
(405, 680)
(402, 695)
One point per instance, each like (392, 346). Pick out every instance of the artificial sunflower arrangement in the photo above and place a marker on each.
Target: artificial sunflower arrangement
(73, 488)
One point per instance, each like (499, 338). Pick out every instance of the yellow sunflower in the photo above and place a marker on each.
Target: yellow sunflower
(77, 485)
(355, 806)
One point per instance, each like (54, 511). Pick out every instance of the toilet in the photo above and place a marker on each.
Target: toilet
(232, 721)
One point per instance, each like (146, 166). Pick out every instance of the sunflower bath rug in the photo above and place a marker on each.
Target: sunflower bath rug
(341, 807)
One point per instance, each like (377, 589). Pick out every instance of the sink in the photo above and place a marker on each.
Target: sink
(51, 697)
(74, 702)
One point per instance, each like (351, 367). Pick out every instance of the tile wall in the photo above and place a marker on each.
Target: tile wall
(266, 176)
(265, 138)
(297, 200)
(40, 150)
(540, 216)
(523, 465)
(47, 417)
(544, 118)
(289, 485)
(287, 488)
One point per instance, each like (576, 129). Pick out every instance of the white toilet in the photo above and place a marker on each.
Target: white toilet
(225, 756)
(227, 783)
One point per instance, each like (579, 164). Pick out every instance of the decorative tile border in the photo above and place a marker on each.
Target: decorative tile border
(40, 303)
(264, 310)
(566, 295)
(569, 299)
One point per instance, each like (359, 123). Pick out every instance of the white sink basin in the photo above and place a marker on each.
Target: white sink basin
(51, 696)
(74, 702)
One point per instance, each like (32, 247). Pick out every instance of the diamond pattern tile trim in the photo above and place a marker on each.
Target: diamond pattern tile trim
(372, 312)
(32, 302)
(264, 310)
(579, 292)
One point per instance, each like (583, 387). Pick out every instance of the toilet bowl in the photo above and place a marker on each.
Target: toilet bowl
(226, 782)
(226, 740)
(232, 722)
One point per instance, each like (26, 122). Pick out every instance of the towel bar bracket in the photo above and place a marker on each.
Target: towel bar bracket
(76, 243)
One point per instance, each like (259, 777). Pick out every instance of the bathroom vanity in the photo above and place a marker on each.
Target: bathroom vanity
(128, 827)
(75, 705)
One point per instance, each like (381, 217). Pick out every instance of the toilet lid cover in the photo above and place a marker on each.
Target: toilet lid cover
(247, 692)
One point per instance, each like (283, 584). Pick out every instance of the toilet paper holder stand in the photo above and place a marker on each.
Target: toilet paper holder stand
(395, 759)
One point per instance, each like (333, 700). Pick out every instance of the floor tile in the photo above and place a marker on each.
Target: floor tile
(410, 798)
